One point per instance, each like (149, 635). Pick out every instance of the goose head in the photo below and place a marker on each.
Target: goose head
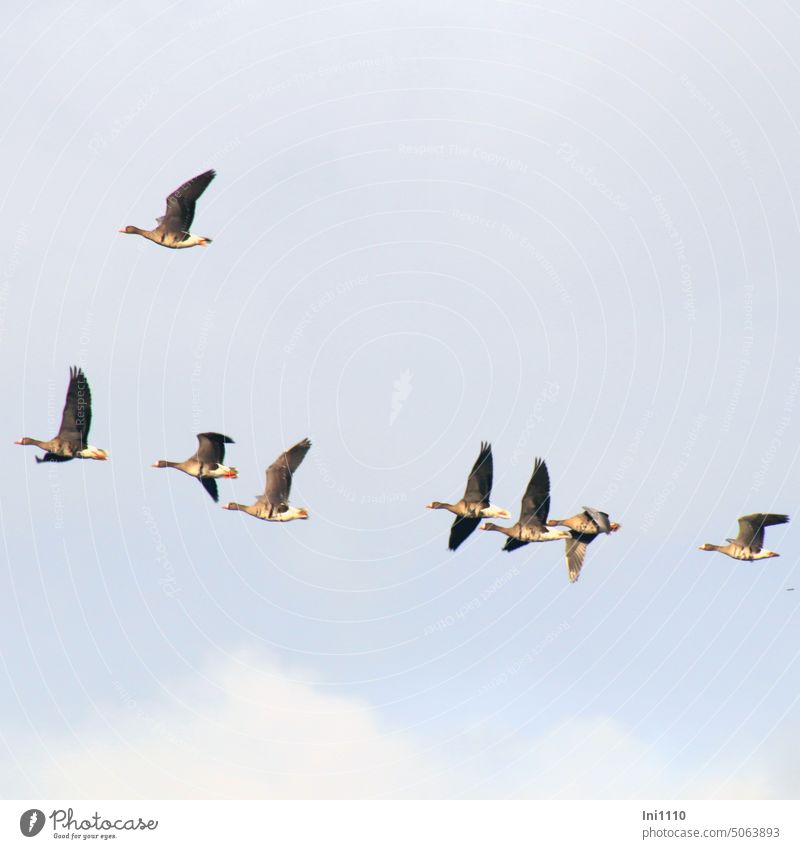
(496, 513)
(92, 453)
(288, 514)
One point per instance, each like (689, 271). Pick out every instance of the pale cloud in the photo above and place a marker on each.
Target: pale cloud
(246, 728)
(249, 732)
(600, 758)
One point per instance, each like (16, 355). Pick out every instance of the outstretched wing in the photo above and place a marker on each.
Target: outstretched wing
(461, 529)
(575, 552)
(279, 476)
(751, 528)
(479, 484)
(77, 416)
(211, 447)
(536, 501)
(513, 544)
(181, 203)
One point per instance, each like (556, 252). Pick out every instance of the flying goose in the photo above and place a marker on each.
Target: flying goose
(273, 505)
(173, 226)
(531, 525)
(584, 528)
(205, 465)
(475, 505)
(75, 423)
(748, 544)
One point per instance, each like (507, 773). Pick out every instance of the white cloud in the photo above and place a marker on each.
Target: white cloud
(250, 732)
(600, 758)
(247, 730)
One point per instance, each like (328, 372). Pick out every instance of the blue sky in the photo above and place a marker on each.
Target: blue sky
(565, 229)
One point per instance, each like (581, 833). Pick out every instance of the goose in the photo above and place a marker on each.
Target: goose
(748, 544)
(206, 464)
(531, 525)
(273, 505)
(584, 528)
(75, 423)
(475, 505)
(173, 226)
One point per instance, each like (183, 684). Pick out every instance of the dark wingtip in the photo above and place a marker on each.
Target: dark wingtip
(210, 486)
(213, 435)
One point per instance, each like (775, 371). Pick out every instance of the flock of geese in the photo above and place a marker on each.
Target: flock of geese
(533, 524)
(207, 463)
